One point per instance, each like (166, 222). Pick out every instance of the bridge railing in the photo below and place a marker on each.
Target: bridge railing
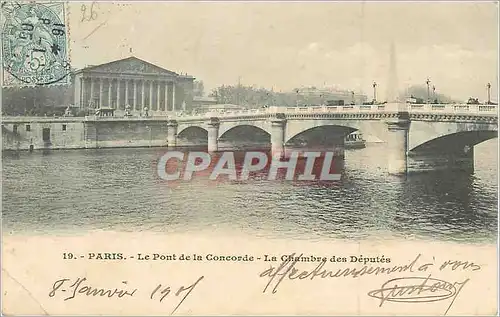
(451, 109)
(389, 107)
(27, 119)
(131, 118)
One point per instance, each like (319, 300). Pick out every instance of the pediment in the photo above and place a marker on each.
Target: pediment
(131, 65)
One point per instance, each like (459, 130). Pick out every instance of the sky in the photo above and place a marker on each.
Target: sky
(283, 45)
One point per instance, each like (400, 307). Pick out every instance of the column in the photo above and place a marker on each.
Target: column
(135, 94)
(173, 96)
(187, 96)
(126, 92)
(172, 133)
(84, 104)
(143, 96)
(166, 97)
(92, 91)
(151, 95)
(158, 98)
(397, 144)
(213, 134)
(77, 95)
(109, 92)
(118, 93)
(278, 136)
(101, 91)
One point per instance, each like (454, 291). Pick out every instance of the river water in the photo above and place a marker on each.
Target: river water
(117, 189)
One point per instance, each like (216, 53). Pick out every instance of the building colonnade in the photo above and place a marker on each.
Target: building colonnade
(117, 93)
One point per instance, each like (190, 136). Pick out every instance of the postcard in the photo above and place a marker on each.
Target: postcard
(249, 158)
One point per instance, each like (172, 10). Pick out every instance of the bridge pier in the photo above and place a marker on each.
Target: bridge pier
(213, 135)
(398, 144)
(278, 136)
(172, 133)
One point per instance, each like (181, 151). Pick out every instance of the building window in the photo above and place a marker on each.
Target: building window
(64, 127)
(28, 128)
(14, 128)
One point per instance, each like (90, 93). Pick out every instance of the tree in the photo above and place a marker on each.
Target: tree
(252, 97)
(38, 100)
(420, 92)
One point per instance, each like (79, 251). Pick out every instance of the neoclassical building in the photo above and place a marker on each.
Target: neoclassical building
(133, 82)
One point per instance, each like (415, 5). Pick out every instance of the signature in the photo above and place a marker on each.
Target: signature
(82, 287)
(417, 290)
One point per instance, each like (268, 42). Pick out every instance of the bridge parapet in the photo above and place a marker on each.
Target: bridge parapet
(262, 113)
(23, 119)
(436, 109)
(465, 109)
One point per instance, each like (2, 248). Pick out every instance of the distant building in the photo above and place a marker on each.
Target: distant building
(203, 101)
(219, 108)
(414, 100)
(315, 96)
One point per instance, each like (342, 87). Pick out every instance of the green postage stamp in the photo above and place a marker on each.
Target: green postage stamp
(34, 44)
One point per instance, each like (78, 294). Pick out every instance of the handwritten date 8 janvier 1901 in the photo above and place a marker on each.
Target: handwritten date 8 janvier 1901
(82, 287)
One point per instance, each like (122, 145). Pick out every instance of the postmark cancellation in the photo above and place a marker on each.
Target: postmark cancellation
(34, 44)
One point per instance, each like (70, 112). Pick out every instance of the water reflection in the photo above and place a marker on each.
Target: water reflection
(118, 189)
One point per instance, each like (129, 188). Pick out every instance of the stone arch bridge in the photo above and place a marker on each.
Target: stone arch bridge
(418, 136)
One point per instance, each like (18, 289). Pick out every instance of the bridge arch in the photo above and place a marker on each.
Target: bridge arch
(192, 133)
(376, 128)
(455, 142)
(261, 125)
(444, 136)
(323, 134)
(245, 132)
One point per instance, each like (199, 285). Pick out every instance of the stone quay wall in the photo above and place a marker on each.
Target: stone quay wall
(24, 133)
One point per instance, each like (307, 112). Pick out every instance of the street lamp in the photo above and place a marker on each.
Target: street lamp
(433, 93)
(428, 94)
(374, 92)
